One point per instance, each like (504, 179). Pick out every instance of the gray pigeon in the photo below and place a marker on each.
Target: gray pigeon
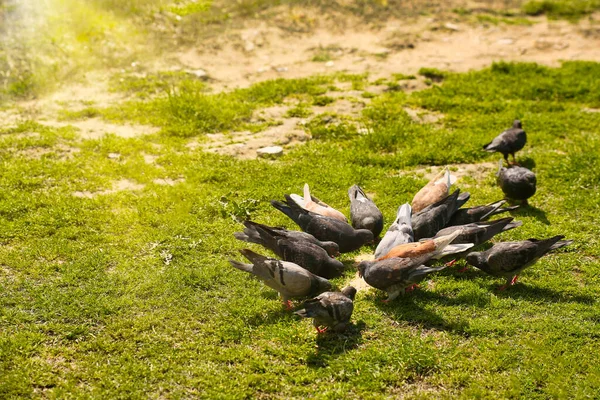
(330, 309)
(464, 216)
(479, 232)
(508, 259)
(395, 275)
(432, 218)
(399, 232)
(325, 228)
(364, 214)
(517, 183)
(508, 142)
(305, 254)
(251, 235)
(289, 279)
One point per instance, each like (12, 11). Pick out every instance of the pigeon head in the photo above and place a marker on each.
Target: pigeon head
(332, 248)
(475, 258)
(323, 285)
(349, 292)
(517, 124)
(365, 236)
(362, 267)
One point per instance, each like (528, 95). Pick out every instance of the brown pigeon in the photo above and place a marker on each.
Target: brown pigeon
(315, 205)
(437, 189)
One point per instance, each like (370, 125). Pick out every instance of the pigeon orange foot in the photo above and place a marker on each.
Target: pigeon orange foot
(288, 305)
(319, 330)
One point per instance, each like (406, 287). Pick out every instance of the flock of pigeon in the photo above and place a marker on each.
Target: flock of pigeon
(433, 229)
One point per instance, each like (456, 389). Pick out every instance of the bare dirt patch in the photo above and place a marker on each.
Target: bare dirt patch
(117, 186)
(394, 46)
(475, 171)
(96, 128)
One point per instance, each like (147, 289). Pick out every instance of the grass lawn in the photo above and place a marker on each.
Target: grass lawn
(110, 293)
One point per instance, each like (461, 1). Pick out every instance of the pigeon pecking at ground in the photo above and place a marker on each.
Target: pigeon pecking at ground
(330, 309)
(517, 183)
(325, 228)
(305, 254)
(432, 218)
(251, 235)
(395, 275)
(508, 259)
(315, 205)
(289, 279)
(399, 232)
(437, 189)
(364, 214)
(508, 142)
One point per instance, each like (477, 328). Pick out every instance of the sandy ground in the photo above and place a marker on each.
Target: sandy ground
(259, 51)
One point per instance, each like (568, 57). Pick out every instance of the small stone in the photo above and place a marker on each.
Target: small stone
(270, 152)
(199, 73)
(248, 46)
(506, 41)
(114, 156)
(329, 64)
(451, 26)
(281, 69)
(263, 69)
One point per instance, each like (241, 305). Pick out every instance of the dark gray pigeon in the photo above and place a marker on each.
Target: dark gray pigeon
(289, 279)
(330, 309)
(479, 232)
(517, 183)
(364, 214)
(395, 275)
(251, 235)
(305, 254)
(325, 228)
(508, 142)
(431, 219)
(508, 259)
(464, 216)
(399, 232)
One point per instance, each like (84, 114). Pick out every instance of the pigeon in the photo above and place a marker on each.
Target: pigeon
(330, 309)
(435, 248)
(508, 142)
(399, 233)
(517, 183)
(364, 214)
(394, 275)
(434, 217)
(434, 191)
(464, 216)
(325, 228)
(508, 259)
(315, 205)
(305, 254)
(289, 279)
(479, 232)
(251, 235)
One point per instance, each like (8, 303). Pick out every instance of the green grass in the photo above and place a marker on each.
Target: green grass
(129, 294)
(561, 9)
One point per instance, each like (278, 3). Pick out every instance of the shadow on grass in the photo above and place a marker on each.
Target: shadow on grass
(533, 293)
(332, 344)
(530, 211)
(409, 308)
(527, 162)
